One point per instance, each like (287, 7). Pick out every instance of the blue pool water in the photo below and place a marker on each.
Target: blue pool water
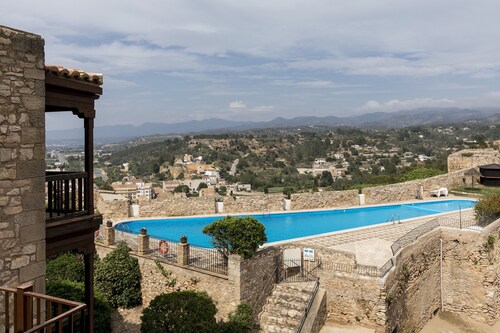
(284, 226)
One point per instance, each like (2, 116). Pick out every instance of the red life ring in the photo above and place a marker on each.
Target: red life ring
(163, 247)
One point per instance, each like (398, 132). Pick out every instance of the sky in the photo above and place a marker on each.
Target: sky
(178, 60)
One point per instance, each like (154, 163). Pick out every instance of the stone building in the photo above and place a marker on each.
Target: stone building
(41, 214)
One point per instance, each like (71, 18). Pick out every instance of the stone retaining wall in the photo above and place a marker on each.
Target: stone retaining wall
(153, 283)
(472, 158)
(471, 279)
(261, 203)
(22, 159)
(408, 190)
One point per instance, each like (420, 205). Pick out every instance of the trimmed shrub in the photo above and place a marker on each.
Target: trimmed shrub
(66, 266)
(240, 321)
(180, 312)
(488, 209)
(75, 291)
(118, 278)
(237, 235)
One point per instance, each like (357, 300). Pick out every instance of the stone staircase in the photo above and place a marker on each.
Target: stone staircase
(284, 308)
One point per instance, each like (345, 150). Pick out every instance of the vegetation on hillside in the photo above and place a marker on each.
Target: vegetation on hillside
(272, 158)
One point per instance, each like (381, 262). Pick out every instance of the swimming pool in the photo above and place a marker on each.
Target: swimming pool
(285, 226)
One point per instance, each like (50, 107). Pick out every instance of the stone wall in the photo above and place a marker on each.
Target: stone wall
(154, 283)
(471, 278)
(408, 190)
(413, 287)
(260, 203)
(353, 299)
(22, 160)
(471, 274)
(471, 158)
(254, 278)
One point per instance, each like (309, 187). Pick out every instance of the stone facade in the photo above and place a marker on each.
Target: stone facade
(472, 158)
(22, 160)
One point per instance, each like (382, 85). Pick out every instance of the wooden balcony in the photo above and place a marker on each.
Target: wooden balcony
(67, 195)
(70, 219)
(29, 312)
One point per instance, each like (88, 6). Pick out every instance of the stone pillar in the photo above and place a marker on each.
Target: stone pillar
(109, 234)
(22, 159)
(362, 199)
(287, 204)
(133, 210)
(143, 242)
(183, 252)
(219, 207)
(234, 273)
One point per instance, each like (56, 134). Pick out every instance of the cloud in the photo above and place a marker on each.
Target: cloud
(396, 105)
(263, 108)
(237, 105)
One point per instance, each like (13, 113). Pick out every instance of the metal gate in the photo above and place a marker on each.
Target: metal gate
(296, 268)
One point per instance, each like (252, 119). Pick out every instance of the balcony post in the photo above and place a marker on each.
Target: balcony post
(23, 313)
(89, 290)
(89, 163)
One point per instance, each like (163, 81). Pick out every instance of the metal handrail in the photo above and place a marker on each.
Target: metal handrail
(308, 307)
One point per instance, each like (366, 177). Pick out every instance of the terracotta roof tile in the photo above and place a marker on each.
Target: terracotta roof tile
(76, 74)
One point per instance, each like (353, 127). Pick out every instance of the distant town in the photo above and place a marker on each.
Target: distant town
(303, 159)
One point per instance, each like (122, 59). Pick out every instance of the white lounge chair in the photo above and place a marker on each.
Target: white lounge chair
(443, 191)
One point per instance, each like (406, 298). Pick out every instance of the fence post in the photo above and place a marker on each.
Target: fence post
(183, 252)
(23, 313)
(109, 234)
(143, 242)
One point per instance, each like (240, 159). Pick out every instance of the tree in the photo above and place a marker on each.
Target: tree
(236, 235)
(488, 209)
(202, 185)
(66, 266)
(180, 312)
(325, 179)
(118, 278)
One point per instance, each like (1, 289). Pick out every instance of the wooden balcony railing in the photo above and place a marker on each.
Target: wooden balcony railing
(25, 311)
(67, 194)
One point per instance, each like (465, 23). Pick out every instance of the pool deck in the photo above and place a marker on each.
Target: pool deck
(371, 245)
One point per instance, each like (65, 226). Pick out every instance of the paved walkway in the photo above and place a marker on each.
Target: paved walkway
(337, 328)
(372, 245)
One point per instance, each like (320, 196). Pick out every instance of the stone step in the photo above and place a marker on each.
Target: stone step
(290, 296)
(278, 302)
(280, 320)
(276, 329)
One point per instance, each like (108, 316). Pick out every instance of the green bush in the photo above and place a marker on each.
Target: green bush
(180, 312)
(420, 173)
(240, 321)
(488, 209)
(118, 277)
(237, 235)
(75, 291)
(66, 266)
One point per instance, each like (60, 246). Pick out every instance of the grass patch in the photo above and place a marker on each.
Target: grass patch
(479, 189)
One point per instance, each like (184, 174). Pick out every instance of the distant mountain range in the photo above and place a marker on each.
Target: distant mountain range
(423, 116)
